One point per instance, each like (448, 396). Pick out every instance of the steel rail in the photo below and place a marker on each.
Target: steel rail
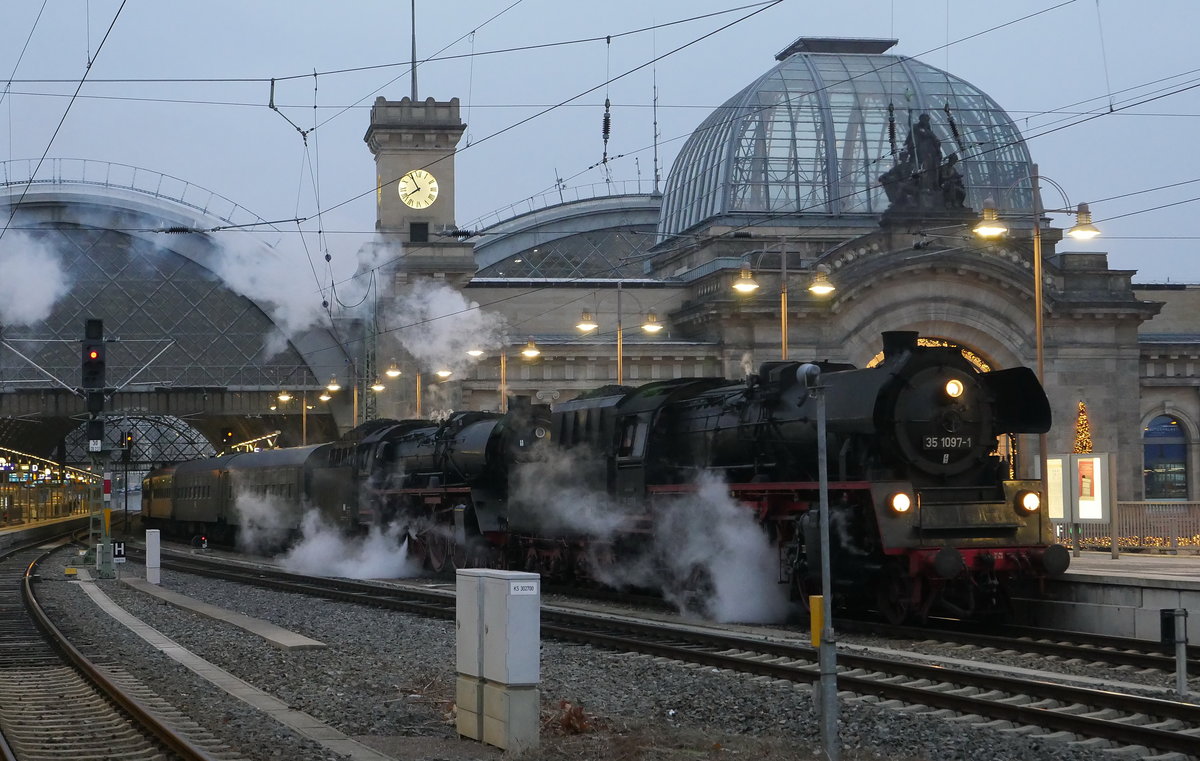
(698, 646)
(133, 708)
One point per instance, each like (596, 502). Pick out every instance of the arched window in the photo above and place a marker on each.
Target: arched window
(1165, 459)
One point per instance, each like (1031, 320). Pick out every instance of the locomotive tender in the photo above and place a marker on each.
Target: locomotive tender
(927, 513)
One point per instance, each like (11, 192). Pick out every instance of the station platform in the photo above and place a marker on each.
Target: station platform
(1121, 597)
(1134, 566)
(15, 533)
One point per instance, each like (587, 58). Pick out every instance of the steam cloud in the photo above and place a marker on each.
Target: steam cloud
(33, 281)
(288, 292)
(264, 524)
(704, 535)
(436, 324)
(267, 525)
(382, 554)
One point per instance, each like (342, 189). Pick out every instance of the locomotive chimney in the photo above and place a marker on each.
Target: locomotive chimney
(898, 342)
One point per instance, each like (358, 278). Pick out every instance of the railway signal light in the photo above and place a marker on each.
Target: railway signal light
(227, 434)
(92, 368)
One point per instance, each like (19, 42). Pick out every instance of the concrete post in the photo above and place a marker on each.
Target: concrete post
(153, 559)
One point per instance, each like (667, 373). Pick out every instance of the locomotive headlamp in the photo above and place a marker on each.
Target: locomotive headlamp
(900, 502)
(954, 388)
(1029, 501)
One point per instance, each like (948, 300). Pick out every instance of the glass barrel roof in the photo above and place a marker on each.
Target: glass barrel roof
(178, 324)
(613, 252)
(812, 136)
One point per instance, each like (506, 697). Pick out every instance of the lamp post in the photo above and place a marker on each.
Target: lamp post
(826, 648)
(1083, 229)
(992, 227)
(528, 351)
(745, 284)
(650, 325)
(333, 386)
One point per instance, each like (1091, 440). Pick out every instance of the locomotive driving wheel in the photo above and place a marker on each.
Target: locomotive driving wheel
(895, 594)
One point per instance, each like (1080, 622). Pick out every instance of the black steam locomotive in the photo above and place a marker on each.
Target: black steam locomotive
(926, 511)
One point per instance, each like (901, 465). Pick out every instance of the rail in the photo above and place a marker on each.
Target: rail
(1147, 526)
(106, 174)
(565, 194)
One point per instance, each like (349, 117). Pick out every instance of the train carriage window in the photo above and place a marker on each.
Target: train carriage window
(1165, 459)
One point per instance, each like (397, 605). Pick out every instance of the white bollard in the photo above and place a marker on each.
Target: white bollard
(153, 553)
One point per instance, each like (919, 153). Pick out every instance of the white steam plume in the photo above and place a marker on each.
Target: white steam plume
(325, 550)
(702, 535)
(264, 524)
(709, 531)
(437, 325)
(276, 280)
(33, 279)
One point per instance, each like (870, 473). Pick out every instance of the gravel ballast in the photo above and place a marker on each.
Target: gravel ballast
(387, 679)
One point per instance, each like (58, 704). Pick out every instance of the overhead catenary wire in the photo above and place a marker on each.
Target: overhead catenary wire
(61, 121)
(298, 225)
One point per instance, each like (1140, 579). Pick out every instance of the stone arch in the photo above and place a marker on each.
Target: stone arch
(992, 333)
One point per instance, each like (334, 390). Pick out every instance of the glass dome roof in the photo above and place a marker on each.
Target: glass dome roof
(812, 136)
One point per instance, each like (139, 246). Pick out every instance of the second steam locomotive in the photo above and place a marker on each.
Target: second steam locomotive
(927, 511)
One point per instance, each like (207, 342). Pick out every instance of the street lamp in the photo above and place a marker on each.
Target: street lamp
(992, 227)
(650, 324)
(393, 370)
(441, 374)
(529, 351)
(745, 284)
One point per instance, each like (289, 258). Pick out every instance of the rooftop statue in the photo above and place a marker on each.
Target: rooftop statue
(921, 182)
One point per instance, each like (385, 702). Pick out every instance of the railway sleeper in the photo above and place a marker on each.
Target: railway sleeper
(1049, 704)
(1093, 743)
(1016, 700)
(1024, 730)
(996, 696)
(1168, 725)
(997, 724)
(1073, 709)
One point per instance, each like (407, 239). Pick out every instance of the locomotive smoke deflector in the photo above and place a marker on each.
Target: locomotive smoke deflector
(1021, 403)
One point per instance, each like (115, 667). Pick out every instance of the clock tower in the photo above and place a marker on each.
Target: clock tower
(414, 143)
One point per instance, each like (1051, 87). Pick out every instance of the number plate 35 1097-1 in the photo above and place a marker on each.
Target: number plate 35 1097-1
(946, 442)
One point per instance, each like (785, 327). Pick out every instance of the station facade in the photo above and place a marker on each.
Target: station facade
(845, 161)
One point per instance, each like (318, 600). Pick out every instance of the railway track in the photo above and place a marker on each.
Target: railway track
(56, 703)
(1095, 648)
(1033, 706)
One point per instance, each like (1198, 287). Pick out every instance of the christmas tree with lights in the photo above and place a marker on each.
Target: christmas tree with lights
(1083, 431)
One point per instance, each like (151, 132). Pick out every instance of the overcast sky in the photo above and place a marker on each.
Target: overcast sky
(1051, 72)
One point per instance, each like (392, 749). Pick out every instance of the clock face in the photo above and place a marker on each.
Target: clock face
(418, 189)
